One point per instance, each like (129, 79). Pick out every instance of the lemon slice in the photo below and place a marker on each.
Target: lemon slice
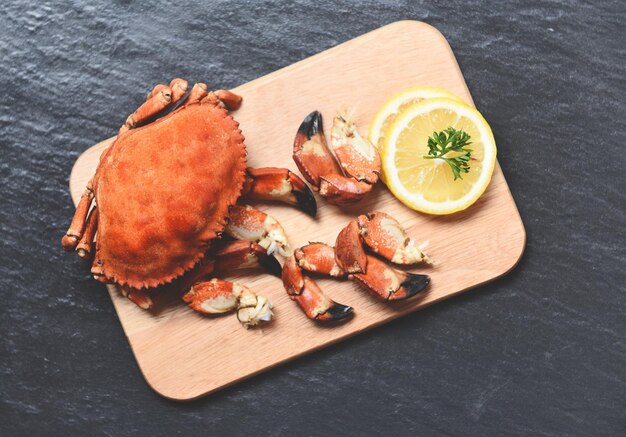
(388, 111)
(428, 185)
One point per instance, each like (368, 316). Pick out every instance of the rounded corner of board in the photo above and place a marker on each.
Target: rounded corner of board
(420, 26)
(170, 393)
(518, 253)
(522, 245)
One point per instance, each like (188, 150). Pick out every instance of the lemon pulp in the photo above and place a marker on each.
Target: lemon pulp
(428, 185)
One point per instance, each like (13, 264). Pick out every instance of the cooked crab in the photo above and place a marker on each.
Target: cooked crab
(346, 179)
(376, 231)
(165, 192)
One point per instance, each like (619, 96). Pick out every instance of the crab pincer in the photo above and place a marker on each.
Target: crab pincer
(375, 232)
(217, 296)
(307, 294)
(348, 175)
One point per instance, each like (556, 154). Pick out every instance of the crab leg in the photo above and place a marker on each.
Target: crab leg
(77, 226)
(156, 90)
(340, 181)
(159, 98)
(228, 99)
(231, 101)
(270, 183)
(197, 93)
(85, 245)
(248, 223)
(306, 293)
(177, 86)
(218, 296)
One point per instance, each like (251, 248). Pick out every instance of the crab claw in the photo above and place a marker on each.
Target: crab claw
(335, 312)
(307, 294)
(254, 309)
(387, 283)
(319, 258)
(349, 177)
(247, 223)
(217, 296)
(349, 251)
(386, 237)
(280, 184)
(340, 190)
(358, 157)
(311, 153)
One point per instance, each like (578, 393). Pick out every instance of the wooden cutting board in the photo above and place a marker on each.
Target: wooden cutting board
(184, 355)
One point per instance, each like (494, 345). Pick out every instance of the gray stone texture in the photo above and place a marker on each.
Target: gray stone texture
(539, 352)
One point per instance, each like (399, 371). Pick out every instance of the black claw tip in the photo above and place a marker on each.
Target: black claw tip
(415, 283)
(306, 201)
(271, 264)
(336, 312)
(311, 125)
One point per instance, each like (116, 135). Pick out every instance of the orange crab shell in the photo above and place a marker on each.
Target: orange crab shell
(163, 192)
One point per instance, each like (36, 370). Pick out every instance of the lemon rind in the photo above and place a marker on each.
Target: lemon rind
(392, 104)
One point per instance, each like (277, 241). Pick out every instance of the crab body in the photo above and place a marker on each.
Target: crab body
(164, 194)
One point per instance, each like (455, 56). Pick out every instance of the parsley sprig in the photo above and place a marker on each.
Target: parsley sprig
(451, 140)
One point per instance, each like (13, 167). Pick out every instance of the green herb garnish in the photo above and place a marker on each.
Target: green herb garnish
(451, 140)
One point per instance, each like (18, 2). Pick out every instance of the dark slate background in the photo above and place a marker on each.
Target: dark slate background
(539, 352)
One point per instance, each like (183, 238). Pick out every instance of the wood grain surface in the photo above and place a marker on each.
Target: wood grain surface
(184, 355)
